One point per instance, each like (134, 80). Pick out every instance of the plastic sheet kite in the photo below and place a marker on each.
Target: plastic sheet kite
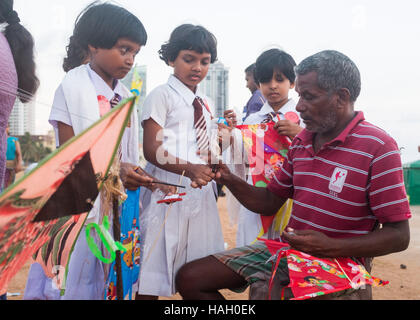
(130, 238)
(51, 203)
(312, 277)
(266, 151)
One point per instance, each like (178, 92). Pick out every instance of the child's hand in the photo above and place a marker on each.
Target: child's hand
(165, 190)
(200, 175)
(287, 128)
(230, 117)
(225, 135)
(134, 177)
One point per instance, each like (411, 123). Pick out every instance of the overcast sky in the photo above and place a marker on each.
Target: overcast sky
(381, 37)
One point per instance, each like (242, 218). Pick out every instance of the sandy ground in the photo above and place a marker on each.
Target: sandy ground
(400, 269)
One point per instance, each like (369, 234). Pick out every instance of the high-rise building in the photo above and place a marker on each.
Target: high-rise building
(216, 87)
(22, 118)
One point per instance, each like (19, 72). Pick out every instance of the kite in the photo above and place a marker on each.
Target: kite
(311, 277)
(50, 204)
(130, 259)
(266, 151)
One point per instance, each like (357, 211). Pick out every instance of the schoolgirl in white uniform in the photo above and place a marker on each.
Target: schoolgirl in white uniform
(184, 231)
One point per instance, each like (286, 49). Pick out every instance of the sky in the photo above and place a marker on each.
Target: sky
(381, 37)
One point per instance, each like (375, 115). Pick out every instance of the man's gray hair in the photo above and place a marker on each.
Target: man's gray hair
(335, 71)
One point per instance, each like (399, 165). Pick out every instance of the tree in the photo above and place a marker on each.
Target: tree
(32, 150)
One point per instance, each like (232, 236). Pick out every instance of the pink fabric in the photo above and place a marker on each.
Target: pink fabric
(8, 89)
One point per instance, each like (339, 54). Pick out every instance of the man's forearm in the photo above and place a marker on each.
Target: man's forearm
(258, 200)
(390, 238)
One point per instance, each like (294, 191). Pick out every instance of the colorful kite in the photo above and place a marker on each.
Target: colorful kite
(312, 277)
(130, 239)
(50, 204)
(266, 151)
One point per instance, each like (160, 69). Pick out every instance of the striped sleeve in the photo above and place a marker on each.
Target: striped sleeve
(282, 183)
(387, 195)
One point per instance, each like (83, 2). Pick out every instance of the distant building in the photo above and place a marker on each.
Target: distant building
(216, 87)
(22, 118)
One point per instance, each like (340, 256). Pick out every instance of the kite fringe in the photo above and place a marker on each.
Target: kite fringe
(112, 188)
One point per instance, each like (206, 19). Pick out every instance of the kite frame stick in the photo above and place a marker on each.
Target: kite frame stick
(353, 285)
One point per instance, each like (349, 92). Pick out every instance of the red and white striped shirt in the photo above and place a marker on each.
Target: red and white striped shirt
(351, 184)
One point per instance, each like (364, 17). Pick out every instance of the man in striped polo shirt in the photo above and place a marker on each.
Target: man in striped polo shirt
(345, 177)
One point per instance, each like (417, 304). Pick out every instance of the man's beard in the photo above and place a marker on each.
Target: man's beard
(329, 122)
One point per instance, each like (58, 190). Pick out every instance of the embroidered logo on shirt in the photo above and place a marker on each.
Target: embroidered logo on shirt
(337, 180)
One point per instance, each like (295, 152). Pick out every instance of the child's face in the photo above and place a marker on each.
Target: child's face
(116, 62)
(276, 91)
(191, 67)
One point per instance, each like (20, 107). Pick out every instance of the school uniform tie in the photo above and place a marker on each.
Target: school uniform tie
(203, 142)
(115, 101)
(272, 116)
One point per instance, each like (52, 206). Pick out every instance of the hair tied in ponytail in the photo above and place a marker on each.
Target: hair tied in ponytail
(12, 18)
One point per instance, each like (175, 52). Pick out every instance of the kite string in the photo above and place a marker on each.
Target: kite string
(12, 91)
(163, 224)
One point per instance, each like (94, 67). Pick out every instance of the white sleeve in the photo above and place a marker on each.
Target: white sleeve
(156, 106)
(59, 111)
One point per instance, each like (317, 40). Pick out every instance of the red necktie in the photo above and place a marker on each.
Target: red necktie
(200, 126)
(272, 116)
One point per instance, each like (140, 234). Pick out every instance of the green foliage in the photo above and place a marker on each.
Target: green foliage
(32, 151)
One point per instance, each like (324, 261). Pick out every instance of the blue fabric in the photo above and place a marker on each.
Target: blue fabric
(254, 104)
(130, 238)
(11, 148)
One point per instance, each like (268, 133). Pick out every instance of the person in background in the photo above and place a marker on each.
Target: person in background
(14, 159)
(17, 73)
(257, 99)
(275, 74)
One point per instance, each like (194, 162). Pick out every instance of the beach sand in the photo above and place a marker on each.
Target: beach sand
(400, 269)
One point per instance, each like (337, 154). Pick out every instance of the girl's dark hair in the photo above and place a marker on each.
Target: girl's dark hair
(21, 44)
(189, 37)
(274, 60)
(101, 25)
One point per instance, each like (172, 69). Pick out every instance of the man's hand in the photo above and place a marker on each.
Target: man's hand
(134, 177)
(309, 241)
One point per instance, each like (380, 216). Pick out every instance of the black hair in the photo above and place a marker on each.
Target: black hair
(21, 45)
(101, 25)
(251, 70)
(189, 37)
(334, 70)
(275, 60)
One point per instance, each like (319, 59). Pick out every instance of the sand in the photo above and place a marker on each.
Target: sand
(400, 269)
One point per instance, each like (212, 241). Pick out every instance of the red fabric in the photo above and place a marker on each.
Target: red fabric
(351, 184)
(311, 276)
(20, 236)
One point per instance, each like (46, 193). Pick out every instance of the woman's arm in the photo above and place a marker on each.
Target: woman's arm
(18, 157)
